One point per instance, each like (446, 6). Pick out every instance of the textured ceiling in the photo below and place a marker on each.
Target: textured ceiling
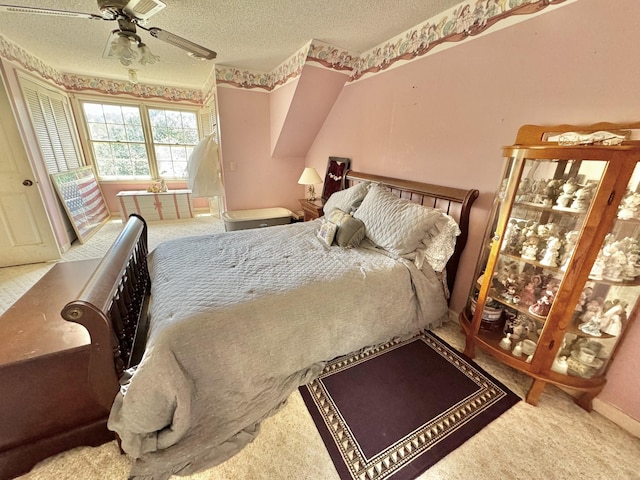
(247, 34)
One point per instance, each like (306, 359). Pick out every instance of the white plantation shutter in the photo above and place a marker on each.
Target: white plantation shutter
(53, 125)
(209, 120)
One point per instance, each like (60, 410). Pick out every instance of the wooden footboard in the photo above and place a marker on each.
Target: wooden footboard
(111, 307)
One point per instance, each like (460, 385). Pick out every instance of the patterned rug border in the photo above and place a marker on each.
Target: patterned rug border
(401, 453)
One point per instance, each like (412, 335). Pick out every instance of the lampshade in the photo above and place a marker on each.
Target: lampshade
(128, 48)
(122, 48)
(309, 177)
(146, 57)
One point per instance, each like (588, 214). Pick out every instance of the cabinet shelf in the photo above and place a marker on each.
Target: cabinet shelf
(534, 263)
(496, 296)
(553, 209)
(584, 242)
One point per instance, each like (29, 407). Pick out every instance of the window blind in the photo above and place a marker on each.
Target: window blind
(53, 126)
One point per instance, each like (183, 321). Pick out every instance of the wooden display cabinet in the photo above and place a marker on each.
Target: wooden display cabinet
(558, 279)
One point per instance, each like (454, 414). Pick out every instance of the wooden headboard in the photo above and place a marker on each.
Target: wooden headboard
(453, 201)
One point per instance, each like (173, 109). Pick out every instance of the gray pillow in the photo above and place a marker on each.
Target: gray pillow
(348, 199)
(350, 230)
(395, 224)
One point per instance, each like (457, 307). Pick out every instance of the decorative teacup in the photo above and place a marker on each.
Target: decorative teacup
(586, 355)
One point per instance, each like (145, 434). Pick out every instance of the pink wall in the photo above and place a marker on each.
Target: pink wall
(279, 104)
(253, 179)
(443, 119)
(316, 91)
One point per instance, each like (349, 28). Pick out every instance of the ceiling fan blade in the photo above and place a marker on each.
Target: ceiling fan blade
(194, 49)
(48, 11)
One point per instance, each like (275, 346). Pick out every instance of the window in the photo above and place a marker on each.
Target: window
(137, 142)
(174, 136)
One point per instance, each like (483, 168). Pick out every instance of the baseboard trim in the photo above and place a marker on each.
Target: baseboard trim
(617, 416)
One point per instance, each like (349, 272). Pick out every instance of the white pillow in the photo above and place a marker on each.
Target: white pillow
(348, 199)
(439, 245)
(395, 224)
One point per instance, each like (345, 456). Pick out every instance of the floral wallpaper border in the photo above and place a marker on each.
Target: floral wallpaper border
(459, 23)
(467, 19)
(77, 83)
(323, 53)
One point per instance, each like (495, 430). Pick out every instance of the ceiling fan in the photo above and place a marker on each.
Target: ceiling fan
(129, 14)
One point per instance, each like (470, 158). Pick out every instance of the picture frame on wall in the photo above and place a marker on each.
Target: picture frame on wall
(334, 178)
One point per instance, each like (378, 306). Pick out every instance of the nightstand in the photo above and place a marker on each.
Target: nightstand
(312, 209)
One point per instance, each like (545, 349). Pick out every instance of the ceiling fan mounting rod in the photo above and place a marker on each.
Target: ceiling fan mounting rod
(112, 9)
(126, 24)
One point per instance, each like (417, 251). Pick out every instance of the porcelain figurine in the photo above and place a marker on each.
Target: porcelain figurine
(505, 343)
(629, 207)
(528, 293)
(592, 310)
(597, 270)
(543, 305)
(568, 189)
(570, 240)
(614, 267)
(592, 326)
(530, 248)
(517, 350)
(560, 365)
(584, 296)
(611, 322)
(551, 252)
(581, 199)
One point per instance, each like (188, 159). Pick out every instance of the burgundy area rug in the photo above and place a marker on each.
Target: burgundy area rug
(394, 411)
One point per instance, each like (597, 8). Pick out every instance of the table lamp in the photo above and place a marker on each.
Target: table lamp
(310, 177)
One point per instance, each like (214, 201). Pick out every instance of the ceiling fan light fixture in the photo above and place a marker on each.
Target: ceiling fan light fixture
(146, 57)
(122, 48)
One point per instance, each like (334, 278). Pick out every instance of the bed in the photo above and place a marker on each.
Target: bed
(195, 343)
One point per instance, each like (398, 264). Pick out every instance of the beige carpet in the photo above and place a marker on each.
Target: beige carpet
(15, 281)
(555, 440)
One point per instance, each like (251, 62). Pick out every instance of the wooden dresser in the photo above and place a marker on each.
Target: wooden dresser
(46, 406)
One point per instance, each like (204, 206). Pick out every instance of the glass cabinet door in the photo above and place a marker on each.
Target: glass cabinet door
(541, 209)
(608, 298)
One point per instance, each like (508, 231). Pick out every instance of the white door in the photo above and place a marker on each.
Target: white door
(26, 235)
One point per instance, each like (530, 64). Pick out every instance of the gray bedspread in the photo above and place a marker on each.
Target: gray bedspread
(238, 321)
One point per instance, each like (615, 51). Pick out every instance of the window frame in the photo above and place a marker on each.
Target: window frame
(143, 108)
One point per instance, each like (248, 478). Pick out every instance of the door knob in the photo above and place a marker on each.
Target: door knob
(27, 183)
